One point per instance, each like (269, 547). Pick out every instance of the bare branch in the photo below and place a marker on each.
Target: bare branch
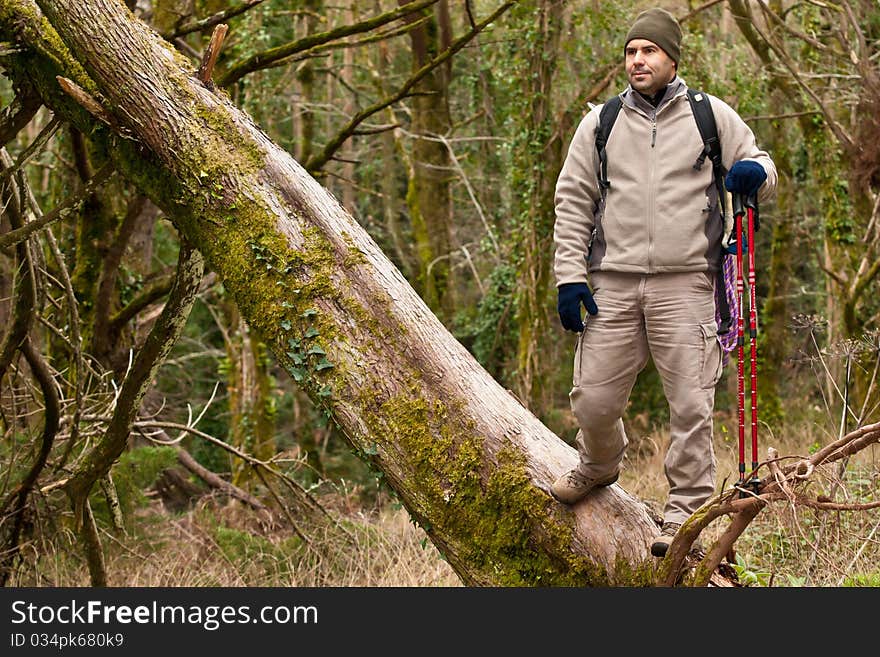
(818, 45)
(216, 481)
(853, 441)
(319, 50)
(777, 117)
(155, 290)
(262, 60)
(744, 506)
(703, 7)
(34, 148)
(77, 361)
(18, 113)
(316, 162)
(59, 212)
(24, 291)
(836, 129)
(467, 184)
(91, 105)
(163, 335)
(307, 503)
(51, 416)
(88, 533)
(209, 59)
(211, 21)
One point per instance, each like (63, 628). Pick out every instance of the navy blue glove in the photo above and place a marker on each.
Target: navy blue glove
(745, 177)
(571, 296)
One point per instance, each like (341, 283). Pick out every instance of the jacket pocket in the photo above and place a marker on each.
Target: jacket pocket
(711, 360)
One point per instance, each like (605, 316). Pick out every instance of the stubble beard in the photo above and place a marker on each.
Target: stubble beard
(645, 85)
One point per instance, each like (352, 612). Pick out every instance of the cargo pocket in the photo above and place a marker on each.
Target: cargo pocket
(711, 361)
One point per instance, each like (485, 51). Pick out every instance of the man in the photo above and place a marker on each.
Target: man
(650, 243)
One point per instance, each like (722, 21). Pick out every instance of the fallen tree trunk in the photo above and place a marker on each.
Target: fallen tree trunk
(468, 461)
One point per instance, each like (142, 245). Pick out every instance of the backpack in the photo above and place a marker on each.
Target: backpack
(726, 302)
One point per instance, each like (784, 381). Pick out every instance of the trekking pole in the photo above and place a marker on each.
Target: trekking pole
(738, 212)
(752, 206)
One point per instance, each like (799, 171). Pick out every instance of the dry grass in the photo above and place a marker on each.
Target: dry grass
(376, 545)
(227, 547)
(783, 546)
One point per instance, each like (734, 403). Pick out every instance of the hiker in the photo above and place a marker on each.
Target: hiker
(638, 243)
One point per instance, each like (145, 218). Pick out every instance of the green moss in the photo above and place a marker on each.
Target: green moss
(247, 156)
(506, 532)
(354, 256)
(39, 34)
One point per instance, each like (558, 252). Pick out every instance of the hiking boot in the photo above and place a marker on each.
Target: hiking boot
(667, 532)
(573, 485)
(662, 542)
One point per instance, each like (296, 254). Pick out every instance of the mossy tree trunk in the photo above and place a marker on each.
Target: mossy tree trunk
(469, 462)
(538, 161)
(304, 117)
(249, 390)
(428, 196)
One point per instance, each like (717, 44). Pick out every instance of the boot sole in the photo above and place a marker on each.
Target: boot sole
(659, 549)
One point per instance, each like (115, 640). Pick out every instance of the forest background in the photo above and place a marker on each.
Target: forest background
(442, 134)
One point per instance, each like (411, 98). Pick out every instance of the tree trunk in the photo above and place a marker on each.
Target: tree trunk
(535, 202)
(249, 388)
(468, 461)
(428, 196)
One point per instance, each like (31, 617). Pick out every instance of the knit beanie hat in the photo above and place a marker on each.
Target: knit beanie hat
(660, 27)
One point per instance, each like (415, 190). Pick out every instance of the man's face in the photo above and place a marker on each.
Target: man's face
(648, 67)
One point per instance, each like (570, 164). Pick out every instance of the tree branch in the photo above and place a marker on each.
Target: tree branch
(216, 481)
(163, 335)
(211, 21)
(264, 59)
(338, 45)
(155, 290)
(310, 504)
(24, 291)
(316, 162)
(745, 509)
(818, 45)
(103, 338)
(18, 113)
(836, 129)
(211, 53)
(51, 417)
(34, 148)
(59, 212)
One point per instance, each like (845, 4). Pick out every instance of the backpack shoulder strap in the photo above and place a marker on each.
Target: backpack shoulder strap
(705, 118)
(607, 117)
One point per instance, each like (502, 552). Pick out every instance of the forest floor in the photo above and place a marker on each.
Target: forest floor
(375, 544)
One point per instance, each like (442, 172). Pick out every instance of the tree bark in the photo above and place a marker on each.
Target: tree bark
(469, 462)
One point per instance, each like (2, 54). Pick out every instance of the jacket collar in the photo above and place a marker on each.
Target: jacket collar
(635, 100)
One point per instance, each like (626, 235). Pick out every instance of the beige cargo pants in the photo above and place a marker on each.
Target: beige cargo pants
(670, 317)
